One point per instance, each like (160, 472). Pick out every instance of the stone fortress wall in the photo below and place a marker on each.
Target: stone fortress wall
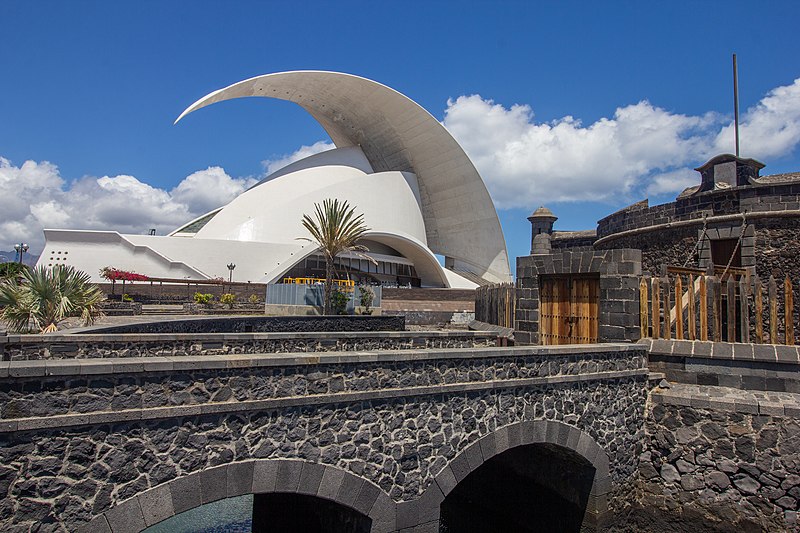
(722, 436)
(762, 214)
(668, 233)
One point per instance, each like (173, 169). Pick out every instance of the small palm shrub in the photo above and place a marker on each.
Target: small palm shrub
(228, 299)
(203, 298)
(254, 299)
(43, 297)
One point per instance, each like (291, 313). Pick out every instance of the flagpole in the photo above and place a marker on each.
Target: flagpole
(736, 103)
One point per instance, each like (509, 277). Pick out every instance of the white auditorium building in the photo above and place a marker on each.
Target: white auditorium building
(419, 193)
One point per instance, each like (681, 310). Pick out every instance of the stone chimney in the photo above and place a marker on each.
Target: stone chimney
(542, 221)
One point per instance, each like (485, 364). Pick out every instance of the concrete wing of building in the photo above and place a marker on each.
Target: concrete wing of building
(418, 191)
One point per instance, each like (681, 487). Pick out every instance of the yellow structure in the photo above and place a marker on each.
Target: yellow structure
(347, 285)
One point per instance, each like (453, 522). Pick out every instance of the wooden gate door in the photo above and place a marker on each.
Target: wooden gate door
(569, 309)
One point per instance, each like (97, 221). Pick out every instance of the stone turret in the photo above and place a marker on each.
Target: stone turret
(727, 170)
(542, 221)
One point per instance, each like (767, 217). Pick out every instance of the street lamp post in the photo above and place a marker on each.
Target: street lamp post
(231, 266)
(21, 248)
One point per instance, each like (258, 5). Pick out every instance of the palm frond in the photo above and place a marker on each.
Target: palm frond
(335, 228)
(44, 297)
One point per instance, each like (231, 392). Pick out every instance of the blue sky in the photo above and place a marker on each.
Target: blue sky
(583, 106)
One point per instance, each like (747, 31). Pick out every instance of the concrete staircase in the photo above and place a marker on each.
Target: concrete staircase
(162, 309)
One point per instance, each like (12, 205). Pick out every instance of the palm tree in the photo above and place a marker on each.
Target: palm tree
(44, 297)
(335, 228)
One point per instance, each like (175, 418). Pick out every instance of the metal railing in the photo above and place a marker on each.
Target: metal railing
(313, 295)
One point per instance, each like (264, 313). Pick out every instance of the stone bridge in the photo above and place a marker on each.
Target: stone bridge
(397, 440)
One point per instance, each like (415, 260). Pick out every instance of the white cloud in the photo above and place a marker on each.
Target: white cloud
(641, 149)
(771, 128)
(271, 165)
(208, 189)
(34, 196)
(672, 182)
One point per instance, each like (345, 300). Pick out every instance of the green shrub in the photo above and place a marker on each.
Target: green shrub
(203, 299)
(228, 299)
(366, 298)
(339, 302)
(254, 299)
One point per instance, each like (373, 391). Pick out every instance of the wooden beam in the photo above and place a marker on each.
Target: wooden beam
(644, 325)
(773, 310)
(656, 303)
(678, 310)
(759, 308)
(665, 295)
(716, 297)
(730, 309)
(691, 314)
(703, 309)
(788, 311)
(744, 306)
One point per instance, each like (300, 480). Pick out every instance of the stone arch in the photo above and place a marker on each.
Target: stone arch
(425, 510)
(258, 476)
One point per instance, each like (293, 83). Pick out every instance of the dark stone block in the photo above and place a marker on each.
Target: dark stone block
(349, 490)
(730, 380)
(786, 354)
(764, 352)
(754, 383)
(702, 349)
(474, 456)
(214, 484)
(743, 352)
(707, 379)
(186, 493)
(775, 384)
(366, 498)
(126, 517)
(310, 478)
(429, 504)
(460, 467)
(240, 478)
(407, 514)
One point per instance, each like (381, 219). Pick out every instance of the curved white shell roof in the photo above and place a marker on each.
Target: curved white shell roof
(396, 134)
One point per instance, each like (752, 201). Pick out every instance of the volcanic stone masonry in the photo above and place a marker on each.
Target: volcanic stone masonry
(76, 445)
(720, 459)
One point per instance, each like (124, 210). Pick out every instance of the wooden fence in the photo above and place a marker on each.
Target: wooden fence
(495, 304)
(739, 307)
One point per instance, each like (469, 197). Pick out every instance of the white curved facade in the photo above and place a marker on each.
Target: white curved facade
(419, 194)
